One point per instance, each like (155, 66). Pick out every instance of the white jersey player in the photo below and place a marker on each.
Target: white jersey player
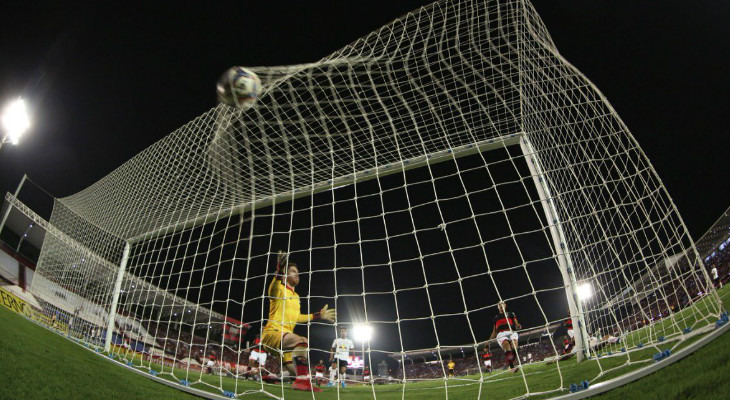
(257, 358)
(715, 276)
(333, 375)
(340, 353)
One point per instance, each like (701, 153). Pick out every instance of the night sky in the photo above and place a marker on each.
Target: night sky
(105, 82)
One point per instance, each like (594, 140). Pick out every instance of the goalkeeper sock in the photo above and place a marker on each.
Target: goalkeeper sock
(300, 361)
(510, 358)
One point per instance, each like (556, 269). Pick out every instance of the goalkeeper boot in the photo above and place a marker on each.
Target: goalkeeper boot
(304, 385)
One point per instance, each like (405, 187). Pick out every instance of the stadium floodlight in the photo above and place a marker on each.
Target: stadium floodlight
(362, 333)
(584, 291)
(15, 121)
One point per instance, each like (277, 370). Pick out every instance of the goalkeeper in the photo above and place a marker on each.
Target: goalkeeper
(284, 314)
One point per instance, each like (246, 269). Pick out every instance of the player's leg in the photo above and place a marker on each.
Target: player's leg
(273, 343)
(296, 351)
(333, 374)
(252, 364)
(261, 364)
(506, 345)
(343, 371)
(513, 339)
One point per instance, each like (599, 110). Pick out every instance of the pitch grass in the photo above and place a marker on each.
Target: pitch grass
(703, 375)
(38, 364)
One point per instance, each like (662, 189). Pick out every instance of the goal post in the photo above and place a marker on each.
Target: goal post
(561, 247)
(115, 298)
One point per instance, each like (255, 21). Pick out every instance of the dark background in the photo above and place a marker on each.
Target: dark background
(104, 82)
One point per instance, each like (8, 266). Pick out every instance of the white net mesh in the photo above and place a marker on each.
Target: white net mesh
(448, 161)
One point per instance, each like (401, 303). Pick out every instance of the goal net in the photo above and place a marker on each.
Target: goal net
(448, 161)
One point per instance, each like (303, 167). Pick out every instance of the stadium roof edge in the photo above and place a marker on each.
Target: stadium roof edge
(709, 241)
(144, 286)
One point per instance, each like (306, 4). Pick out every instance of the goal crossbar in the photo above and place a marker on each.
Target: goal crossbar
(376, 172)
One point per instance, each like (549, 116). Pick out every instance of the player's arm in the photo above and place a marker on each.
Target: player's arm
(304, 318)
(276, 285)
(517, 324)
(326, 313)
(281, 260)
(494, 332)
(332, 351)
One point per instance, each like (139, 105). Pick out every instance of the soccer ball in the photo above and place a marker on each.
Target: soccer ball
(238, 87)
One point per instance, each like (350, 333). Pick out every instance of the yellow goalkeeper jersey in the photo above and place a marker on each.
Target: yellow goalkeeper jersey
(284, 308)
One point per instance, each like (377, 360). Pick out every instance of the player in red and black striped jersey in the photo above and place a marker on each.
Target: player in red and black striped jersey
(487, 358)
(567, 346)
(319, 371)
(256, 359)
(568, 323)
(505, 324)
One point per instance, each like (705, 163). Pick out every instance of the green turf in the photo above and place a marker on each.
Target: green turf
(38, 364)
(703, 375)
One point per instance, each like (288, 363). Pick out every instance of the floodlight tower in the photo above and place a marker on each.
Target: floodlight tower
(362, 333)
(15, 121)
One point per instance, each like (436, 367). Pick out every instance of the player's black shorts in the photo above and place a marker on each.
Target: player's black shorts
(341, 363)
(451, 372)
